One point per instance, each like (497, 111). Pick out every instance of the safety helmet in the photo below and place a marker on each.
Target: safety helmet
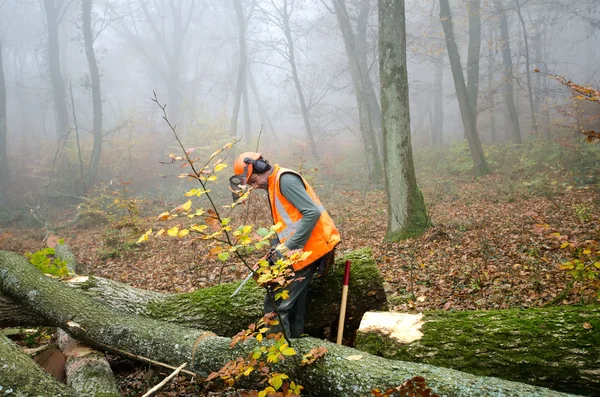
(240, 167)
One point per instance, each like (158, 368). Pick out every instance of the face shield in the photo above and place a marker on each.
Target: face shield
(237, 185)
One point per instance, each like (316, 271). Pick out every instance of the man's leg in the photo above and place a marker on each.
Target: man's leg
(288, 308)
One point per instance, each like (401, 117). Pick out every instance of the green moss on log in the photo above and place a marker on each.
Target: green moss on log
(19, 375)
(549, 347)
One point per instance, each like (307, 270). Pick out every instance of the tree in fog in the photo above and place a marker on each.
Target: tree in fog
(407, 214)
(508, 74)
(466, 111)
(280, 15)
(241, 90)
(362, 89)
(4, 174)
(96, 94)
(54, 13)
(474, 51)
(527, 67)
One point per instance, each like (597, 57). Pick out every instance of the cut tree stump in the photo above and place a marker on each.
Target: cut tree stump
(343, 371)
(557, 347)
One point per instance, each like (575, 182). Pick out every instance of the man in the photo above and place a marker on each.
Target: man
(306, 226)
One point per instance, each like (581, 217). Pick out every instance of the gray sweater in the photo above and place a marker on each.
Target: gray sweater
(294, 191)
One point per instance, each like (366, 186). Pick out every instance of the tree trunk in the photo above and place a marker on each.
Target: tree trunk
(20, 374)
(240, 85)
(407, 214)
(527, 70)
(96, 94)
(339, 373)
(474, 9)
(4, 170)
(466, 113)
(58, 85)
(508, 74)
(490, 87)
(264, 117)
(361, 92)
(549, 347)
(438, 102)
(88, 371)
(285, 16)
(212, 308)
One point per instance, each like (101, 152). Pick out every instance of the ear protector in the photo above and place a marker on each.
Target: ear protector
(260, 166)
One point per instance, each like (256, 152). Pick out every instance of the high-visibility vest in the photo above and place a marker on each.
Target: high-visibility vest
(324, 236)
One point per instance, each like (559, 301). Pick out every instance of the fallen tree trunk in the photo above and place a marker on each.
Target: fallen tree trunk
(213, 310)
(556, 347)
(339, 373)
(19, 374)
(88, 372)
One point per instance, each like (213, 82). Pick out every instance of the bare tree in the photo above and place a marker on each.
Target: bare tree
(490, 82)
(407, 214)
(361, 90)
(86, 17)
(466, 112)
(240, 85)
(508, 74)
(53, 17)
(527, 68)
(4, 171)
(474, 9)
(438, 103)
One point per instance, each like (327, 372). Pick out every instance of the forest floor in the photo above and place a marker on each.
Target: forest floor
(497, 242)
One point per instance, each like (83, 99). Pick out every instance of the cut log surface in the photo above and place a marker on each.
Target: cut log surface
(556, 347)
(342, 371)
(213, 309)
(20, 374)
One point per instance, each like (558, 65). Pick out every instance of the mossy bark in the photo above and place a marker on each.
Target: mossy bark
(20, 376)
(555, 347)
(212, 308)
(339, 373)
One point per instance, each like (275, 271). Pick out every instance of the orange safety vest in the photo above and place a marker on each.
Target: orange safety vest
(324, 236)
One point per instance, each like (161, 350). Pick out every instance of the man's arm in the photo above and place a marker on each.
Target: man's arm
(294, 191)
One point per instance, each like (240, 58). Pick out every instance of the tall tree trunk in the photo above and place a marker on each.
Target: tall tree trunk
(292, 60)
(58, 84)
(407, 214)
(546, 347)
(361, 92)
(474, 55)
(527, 69)
(4, 170)
(508, 74)
(247, 123)
(438, 101)
(490, 81)
(264, 117)
(240, 85)
(96, 94)
(341, 372)
(481, 166)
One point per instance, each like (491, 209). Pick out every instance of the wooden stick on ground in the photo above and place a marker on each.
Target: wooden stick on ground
(164, 382)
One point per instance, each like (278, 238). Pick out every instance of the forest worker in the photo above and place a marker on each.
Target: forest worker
(305, 225)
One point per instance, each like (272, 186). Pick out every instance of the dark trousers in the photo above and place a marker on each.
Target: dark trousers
(293, 309)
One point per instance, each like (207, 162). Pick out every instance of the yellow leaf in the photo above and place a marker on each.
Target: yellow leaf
(160, 232)
(277, 226)
(191, 193)
(183, 233)
(597, 265)
(187, 205)
(248, 370)
(144, 237)
(164, 216)
(173, 232)
(199, 212)
(219, 167)
(564, 244)
(247, 229)
(587, 251)
(289, 351)
(259, 337)
(211, 178)
(198, 228)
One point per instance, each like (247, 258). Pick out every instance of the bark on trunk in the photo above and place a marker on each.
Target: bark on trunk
(58, 85)
(407, 214)
(361, 91)
(549, 347)
(527, 70)
(20, 374)
(490, 86)
(508, 74)
(212, 308)
(88, 372)
(338, 373)
(4, 174)
(466, 113)
(86, 6)
(438, 102)
(473, 55)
